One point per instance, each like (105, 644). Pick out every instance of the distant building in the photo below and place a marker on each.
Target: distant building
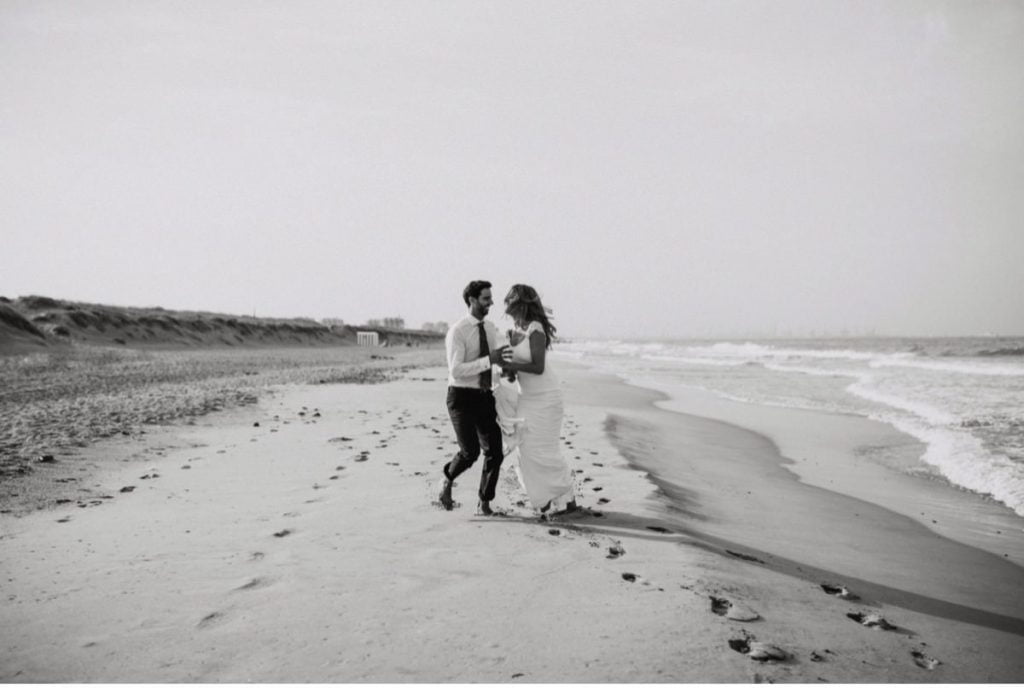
(439, 326)
(390, 323)
(332, 322)
(367, 339)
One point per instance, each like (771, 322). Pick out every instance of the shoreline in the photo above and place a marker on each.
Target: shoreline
(308, 548)
(834, 451)
(725, 524)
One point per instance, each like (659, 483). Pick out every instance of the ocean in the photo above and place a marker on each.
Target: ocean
(963, 398)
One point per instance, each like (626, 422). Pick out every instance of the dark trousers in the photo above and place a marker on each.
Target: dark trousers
(475, 420)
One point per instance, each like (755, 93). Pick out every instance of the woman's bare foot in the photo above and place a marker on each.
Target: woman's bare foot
(570, 508)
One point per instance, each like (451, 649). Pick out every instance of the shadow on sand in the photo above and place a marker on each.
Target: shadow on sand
(667, 530)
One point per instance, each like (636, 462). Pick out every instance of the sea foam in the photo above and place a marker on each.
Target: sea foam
(967, 411)
(963, 460)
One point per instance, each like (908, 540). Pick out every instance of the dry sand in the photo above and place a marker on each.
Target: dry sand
(54, 403)
(309, 548)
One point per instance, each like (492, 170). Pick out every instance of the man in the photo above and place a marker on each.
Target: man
(472, 349)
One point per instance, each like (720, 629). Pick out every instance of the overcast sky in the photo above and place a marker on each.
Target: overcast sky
(653, 169)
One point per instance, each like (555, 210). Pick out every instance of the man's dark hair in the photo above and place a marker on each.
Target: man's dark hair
(473, 290)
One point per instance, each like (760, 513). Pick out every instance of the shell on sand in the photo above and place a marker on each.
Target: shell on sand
(738, 612)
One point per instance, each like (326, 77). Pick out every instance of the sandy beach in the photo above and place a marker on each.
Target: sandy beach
(297, 539)
(767, 250)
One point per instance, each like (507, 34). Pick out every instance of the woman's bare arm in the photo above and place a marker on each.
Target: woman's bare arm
(538, 350)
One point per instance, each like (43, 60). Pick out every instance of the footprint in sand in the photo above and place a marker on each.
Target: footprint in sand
(256, 556)
(283, 533)
(615, 551)
(839, 591)
(253, 584)
(732, 610)
(210, 620)
(757, 651)
(872, 621)
(924, 661)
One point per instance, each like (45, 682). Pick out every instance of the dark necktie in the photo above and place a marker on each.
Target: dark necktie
(485, 350)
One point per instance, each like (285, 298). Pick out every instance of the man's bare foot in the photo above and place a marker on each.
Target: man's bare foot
(446, 495)
(485, 508)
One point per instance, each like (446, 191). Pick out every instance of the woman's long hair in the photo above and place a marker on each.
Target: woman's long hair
(523, 304)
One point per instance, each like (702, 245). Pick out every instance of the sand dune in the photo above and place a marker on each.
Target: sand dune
(38, 322)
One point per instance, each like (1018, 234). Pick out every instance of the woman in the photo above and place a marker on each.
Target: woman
(545, 473)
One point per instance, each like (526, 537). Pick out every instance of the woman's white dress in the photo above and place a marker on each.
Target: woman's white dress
(543, 470)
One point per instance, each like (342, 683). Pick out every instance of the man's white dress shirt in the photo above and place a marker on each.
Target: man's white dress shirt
(465, 362)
